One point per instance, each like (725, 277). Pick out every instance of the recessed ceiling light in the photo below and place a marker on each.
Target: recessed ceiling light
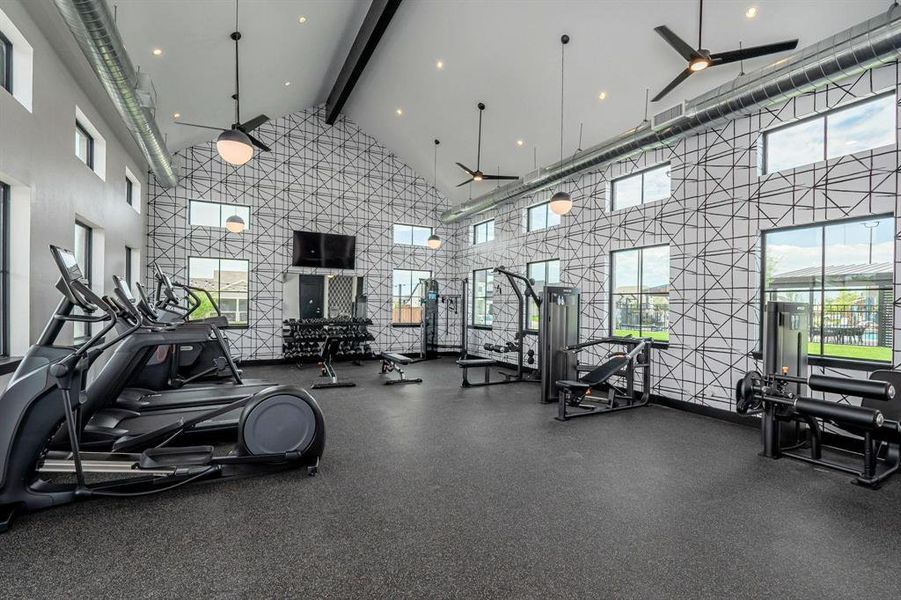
(519, 142)
(439, 65)
(157, 51)
(301, 19)
(751, 12)
(287, 83)
(602, 96)
(176, 115)
(399, 111)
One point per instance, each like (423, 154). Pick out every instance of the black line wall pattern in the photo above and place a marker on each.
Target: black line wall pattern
(712, 222)
(339, 179)
(333, 179)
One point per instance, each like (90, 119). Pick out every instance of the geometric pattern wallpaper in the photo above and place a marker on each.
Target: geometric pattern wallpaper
(318, 177)
(712, 221)
(338, 179)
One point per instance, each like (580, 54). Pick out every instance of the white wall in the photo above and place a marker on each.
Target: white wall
(51, 187)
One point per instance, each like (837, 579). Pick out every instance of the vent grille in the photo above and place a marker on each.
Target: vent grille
(661, 119)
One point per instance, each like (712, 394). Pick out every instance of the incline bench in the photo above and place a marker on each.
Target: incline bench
(391, 361)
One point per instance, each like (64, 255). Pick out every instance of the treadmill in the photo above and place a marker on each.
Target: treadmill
(107, 426)
(110, 387)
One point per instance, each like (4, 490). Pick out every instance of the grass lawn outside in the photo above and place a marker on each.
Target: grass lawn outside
(871, 353)
(659, 336)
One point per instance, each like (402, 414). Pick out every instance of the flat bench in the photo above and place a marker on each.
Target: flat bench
(474, 363)
(391, 361)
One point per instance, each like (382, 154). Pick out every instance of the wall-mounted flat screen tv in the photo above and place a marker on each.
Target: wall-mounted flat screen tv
(327, 250)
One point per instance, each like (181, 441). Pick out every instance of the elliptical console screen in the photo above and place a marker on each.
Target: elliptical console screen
(66, 261)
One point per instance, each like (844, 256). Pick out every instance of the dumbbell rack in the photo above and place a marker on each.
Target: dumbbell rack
(303, 339)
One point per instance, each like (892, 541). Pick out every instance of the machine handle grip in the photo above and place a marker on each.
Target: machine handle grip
(863, 388)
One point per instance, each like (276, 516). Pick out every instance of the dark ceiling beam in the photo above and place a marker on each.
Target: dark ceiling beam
(374, 25)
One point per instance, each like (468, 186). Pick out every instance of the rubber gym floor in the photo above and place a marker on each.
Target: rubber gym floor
(433, 491)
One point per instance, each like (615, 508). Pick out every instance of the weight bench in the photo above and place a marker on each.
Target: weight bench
(573, 392)
(474, 363)
(391, 361)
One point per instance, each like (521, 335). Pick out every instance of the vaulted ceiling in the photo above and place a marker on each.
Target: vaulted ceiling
(505, 53)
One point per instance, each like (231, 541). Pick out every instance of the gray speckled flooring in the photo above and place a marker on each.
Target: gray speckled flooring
(430, 491)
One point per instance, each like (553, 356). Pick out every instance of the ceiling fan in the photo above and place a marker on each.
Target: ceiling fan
(701, 58)
(478, 175)
(235, 144)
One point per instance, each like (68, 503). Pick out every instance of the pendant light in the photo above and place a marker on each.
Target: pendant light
(233, 145)
(434, 242)
(561, 202)
(235, 224)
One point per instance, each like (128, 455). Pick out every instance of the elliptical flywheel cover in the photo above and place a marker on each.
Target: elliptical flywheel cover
(278, 422)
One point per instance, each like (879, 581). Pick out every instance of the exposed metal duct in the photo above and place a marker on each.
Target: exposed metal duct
(95, 30)
(853, 51)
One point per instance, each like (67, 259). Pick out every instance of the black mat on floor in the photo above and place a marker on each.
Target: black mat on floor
(431, 491)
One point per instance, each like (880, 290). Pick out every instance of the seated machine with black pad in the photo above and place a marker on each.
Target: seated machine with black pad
(392, 361)
(577, 393)
(475, 363)
(783, 411)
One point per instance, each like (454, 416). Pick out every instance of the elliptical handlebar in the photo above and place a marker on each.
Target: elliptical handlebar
(109, 314)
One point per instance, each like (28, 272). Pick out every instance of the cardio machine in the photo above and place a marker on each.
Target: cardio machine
(280, 427)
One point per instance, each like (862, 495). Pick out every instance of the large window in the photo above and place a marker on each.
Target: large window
(541, 216)
(483, 232)
(860, 126)
(214, 214)
(406, 296)
(84, 145)
(639, 293)
(482, 297)
(129, 276)
(83, 247)
(545, 272)
(844, 272)
(411, 235)
(4, 269)
(645, 186)
(227, 281)
(6, 64)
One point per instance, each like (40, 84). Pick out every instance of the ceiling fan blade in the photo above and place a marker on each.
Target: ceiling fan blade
(248, 126)
(201, 126)
(672, 84)
(468, 170)
(464, 183)
(745, 53)
(500, 177)
(678, 44)
(258, 143)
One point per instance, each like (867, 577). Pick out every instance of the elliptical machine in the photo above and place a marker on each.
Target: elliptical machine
(280, 427)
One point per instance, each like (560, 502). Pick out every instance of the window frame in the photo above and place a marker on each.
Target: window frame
(431, 231)
(640, 280)
(5, 202)
(529, 301)
(412, 287)
(639, 173)
(824, 115)
(7, 82)
(488, 295)
(129, 190)
(87, 270)
(220, 205)
(817, 359)
(475, 235)
(129, 257)
(215, 292)
(547, 211)
(89, 159)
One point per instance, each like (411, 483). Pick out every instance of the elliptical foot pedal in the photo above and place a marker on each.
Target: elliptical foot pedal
(155, 458)
(337, 384)
(8, 513)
